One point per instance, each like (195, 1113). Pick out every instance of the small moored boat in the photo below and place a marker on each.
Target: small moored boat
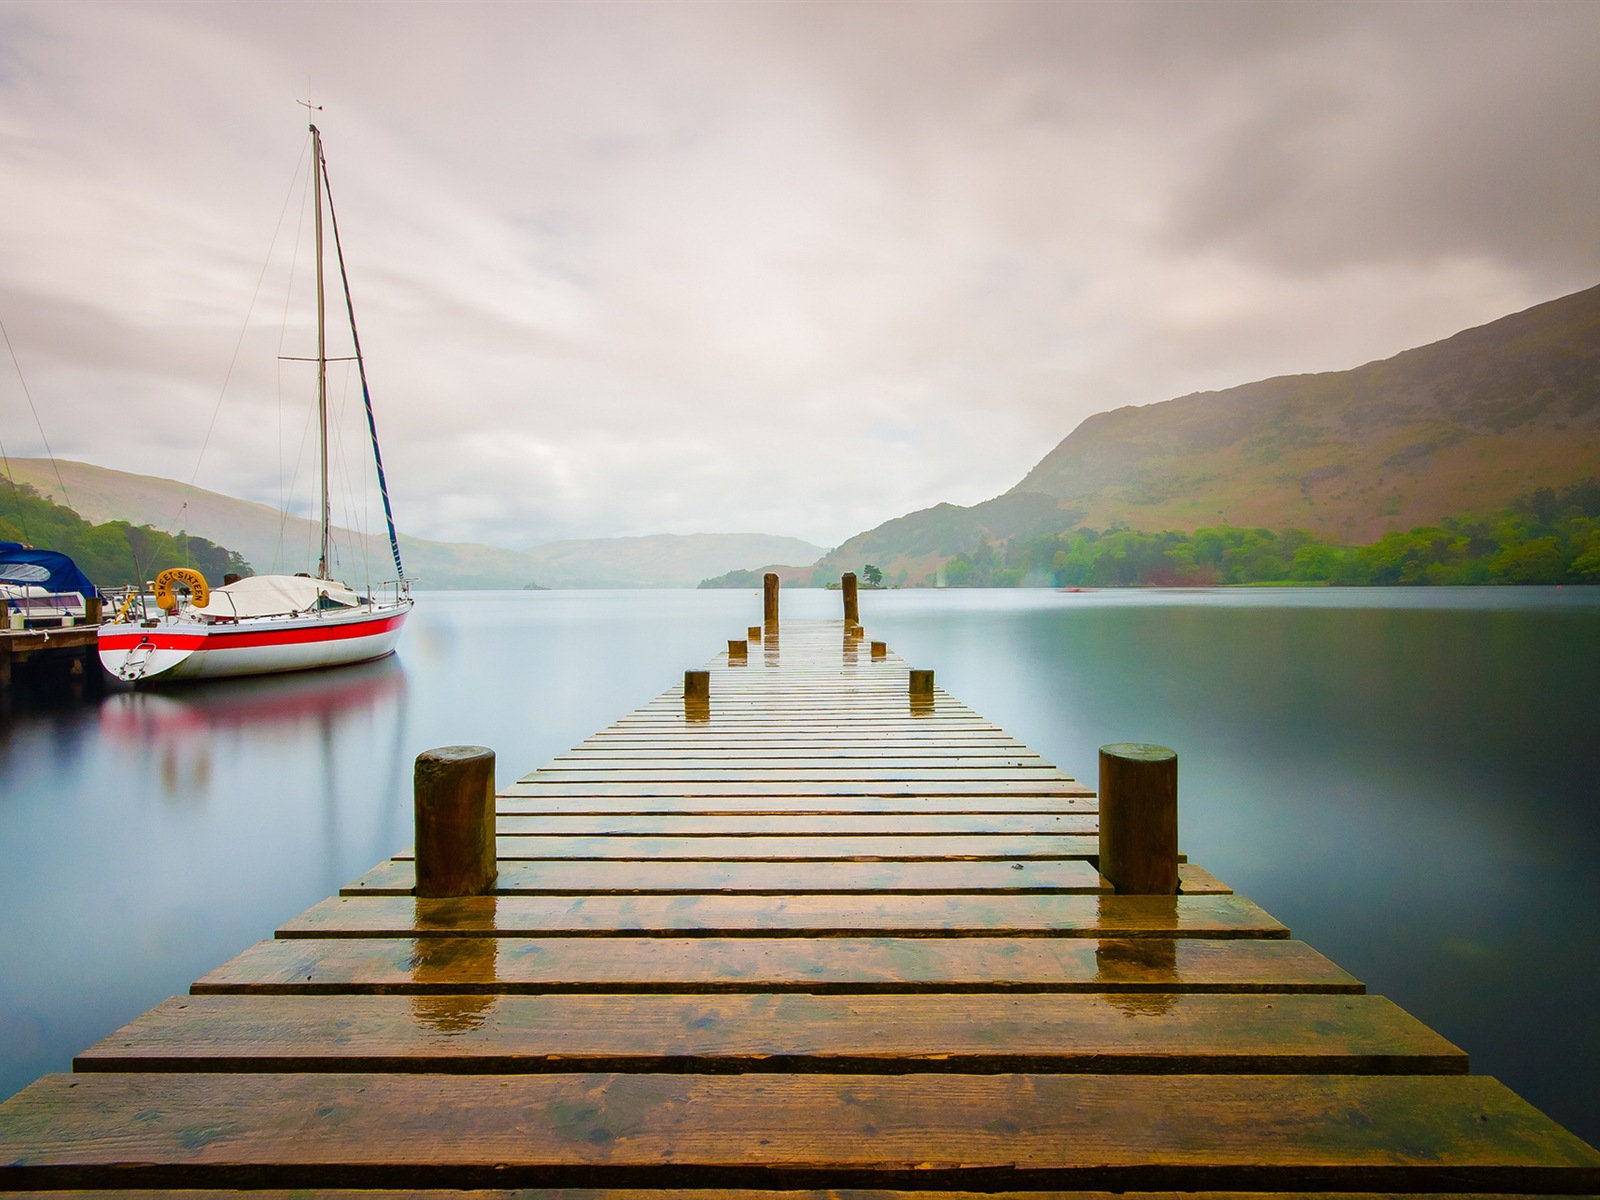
(264, 624)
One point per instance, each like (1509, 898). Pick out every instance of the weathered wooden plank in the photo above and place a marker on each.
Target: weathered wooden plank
(1043, 1033)
(689, 824)
(724, 760)
(702, 1194)
(578, 802)
(821, 771)
(1394, 1132)
(485, 965)
(792, 848)
(939, 752)
(536, 786)
(1197, 881)
(811, 916)
(398, 877)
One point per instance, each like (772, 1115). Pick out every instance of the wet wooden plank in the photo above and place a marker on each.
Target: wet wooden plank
(576, 801)
(537, 786)
(1197, 881)
(690, 824)
(1394, 1132)
(1044, 1033)
(398, 877)
(940, 752)
(724, 1194)
(792, 848)
(981, 765)
(490, 965)
(811, 916)
(820, 772)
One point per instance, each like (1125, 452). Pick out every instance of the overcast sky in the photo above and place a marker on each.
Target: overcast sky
(791, 268)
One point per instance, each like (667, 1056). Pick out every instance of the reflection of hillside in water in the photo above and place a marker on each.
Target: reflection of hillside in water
(186, 729)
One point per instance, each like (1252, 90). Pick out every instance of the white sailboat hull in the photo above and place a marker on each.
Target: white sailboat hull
(182, 647)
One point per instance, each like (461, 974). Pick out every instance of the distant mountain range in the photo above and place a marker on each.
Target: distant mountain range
(1464, 425)
(269, 541)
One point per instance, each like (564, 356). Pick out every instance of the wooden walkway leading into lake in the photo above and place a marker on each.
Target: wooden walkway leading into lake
(815, 935)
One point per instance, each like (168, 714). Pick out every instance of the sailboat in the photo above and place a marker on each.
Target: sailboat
(265, 624)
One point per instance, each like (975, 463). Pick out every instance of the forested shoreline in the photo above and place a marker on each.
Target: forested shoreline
(1547, 537)
(114, 553)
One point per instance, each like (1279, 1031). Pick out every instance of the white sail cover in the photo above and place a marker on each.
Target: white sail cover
(274, 596)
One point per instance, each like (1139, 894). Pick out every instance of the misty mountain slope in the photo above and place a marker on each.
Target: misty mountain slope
(1467, 423)
(661, 560)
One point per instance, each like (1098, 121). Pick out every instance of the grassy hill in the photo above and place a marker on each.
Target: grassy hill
(271, 542)
(1465, 425)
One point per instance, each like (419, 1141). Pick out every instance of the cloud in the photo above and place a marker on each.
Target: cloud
(679, 267)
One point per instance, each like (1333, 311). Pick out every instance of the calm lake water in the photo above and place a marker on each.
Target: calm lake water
(1405, 777)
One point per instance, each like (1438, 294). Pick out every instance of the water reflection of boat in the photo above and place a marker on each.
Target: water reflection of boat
(267, 624)
(268, 700)
(188, 739)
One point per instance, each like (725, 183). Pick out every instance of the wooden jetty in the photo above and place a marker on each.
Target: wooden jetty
(70, 651)
(806, 923)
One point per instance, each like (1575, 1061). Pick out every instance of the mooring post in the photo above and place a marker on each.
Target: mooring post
(697, 687)
(753, 633)
(769, 598)
(880, 649)
(454, 793)
(1139, 818)
(93, 608)
(738, 651)
(852, 610)
(921, 683)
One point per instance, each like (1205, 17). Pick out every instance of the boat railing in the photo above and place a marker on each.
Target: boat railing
(31, 607)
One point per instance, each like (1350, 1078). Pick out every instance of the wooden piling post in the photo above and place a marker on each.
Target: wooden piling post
(738, 651)
(880, 649)
(753, 633)
(852, 610)
(769, 598)
(93, 610)
(697, 687)
(1139, 818)
(454, 796)
(921, 683)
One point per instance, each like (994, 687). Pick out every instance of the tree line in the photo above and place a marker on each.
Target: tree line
(1547, 537)
(113, 553)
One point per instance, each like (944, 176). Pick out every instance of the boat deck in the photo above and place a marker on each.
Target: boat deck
(819, 934)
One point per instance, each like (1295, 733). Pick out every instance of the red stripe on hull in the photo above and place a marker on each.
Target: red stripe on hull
(235, 639)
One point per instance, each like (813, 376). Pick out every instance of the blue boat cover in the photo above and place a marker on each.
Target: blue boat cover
(42, 568)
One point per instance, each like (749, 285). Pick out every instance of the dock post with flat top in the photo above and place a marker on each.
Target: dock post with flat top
(454, 796)
(769, 598)
(1139, 818)
(852, 610)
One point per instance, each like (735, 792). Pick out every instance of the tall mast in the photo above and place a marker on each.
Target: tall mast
(322, 355)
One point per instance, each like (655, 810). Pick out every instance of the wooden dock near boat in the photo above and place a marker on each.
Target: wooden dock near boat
(69, 650)
(806, 923)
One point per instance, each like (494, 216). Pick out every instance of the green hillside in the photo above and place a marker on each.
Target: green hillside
(1451, 431)
(1465, 424)
(111, 553)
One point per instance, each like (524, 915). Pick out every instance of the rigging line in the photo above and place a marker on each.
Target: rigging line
(361, 368)
(233, 361)
(66, 499)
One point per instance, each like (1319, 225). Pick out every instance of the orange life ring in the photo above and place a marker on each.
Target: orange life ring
(167, 598)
